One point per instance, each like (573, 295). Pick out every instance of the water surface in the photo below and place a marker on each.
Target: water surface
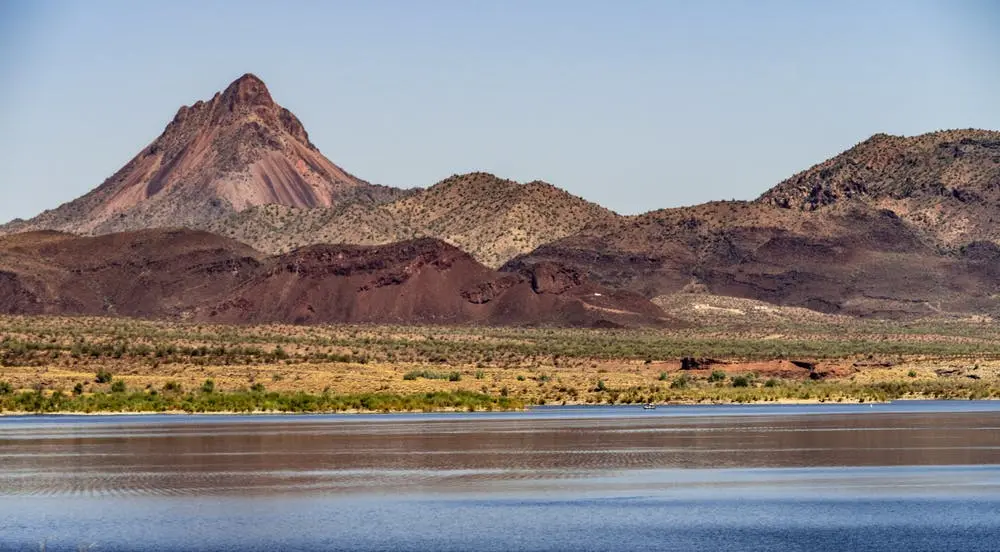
(907, 476)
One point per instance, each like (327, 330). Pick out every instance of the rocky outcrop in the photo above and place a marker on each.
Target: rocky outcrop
(547, 277)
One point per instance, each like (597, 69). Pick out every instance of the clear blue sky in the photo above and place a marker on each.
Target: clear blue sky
(635, 105)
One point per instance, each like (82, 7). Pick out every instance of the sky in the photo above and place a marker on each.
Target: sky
(636, 105)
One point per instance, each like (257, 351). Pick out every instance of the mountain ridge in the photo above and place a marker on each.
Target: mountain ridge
(946, 183)
(492, 218)
(894, 226)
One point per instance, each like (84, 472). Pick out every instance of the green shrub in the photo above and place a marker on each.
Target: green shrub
(208, 386)
(172, 386)
(428, 374)
(78, 389)
(912, 373)
(680, 382)
(242, 401)
(663, 376)
(601, 386)
(771, 383)
(257, 387)
(118, 386)
(103, 376)
(717, 375)
(6, 388)
(741, 381)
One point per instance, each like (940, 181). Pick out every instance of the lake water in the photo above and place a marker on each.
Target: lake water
(905, 476)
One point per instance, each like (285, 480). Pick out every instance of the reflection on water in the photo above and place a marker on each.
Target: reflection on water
(61, 477)
(241, 456)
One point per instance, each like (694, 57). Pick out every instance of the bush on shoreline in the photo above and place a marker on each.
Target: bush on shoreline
(258, 400)
(38, 402)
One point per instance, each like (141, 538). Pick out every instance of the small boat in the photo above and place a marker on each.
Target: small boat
(649, 406)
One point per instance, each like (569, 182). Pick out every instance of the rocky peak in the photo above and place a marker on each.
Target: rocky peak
(245, 102)
(247, 91)
(236, 150)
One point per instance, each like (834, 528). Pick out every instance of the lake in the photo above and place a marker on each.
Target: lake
(920, 475)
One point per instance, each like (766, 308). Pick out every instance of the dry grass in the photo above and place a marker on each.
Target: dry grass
(533, 366)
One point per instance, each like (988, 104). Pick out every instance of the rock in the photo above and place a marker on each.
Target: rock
(691, 363)
(548, 277)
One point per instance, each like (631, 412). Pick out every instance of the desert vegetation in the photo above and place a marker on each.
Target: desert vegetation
(60, 364)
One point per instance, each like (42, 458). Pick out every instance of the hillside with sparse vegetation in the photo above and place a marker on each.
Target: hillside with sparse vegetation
(491, 218)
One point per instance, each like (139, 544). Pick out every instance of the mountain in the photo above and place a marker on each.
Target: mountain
(893, 227)
(946, 184)
(491, 218)
(496, 219)
(217, 157)
(241, 166)
(198, 276)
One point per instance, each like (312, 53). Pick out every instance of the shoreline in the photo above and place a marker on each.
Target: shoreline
(524, 408)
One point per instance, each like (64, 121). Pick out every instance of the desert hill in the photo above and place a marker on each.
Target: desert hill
(946, 184)
(280, 229)
(496, 219)
(847, 258)
(195, 275)
(492, 219)
(237, 150)
(149, 273)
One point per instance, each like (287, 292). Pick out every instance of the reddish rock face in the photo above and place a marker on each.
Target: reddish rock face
(200, 276)
(247, 96)
(547, 277)
(237, 150)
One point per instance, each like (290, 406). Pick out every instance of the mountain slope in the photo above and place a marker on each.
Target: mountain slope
(893, 227)
(279, 229)
(495, 219)
(946, 183)
(237, 150)
(195, 275)
(492, 219)
(162, 273)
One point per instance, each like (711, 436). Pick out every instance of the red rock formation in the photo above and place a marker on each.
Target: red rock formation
(195, 275)
(237, 150)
